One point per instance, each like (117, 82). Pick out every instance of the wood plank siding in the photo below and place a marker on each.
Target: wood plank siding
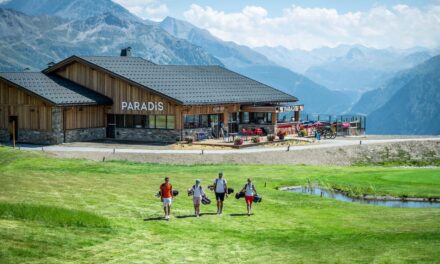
(123, 91)
(84, 117)
(33, 113)
(117, 89)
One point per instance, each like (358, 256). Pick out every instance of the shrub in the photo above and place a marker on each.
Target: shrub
(255, 139)
(189, 140)
(281, 134)
(238, 141)
(270, 137)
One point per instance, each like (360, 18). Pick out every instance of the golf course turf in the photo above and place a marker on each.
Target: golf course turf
(66, 210)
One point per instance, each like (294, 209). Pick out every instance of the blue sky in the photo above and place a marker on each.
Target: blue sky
(275, 7)
(305, 24)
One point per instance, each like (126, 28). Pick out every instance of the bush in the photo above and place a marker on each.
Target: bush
(238, 141)
(281, 134)
(255, 139)
(189, 140)
(270, 137)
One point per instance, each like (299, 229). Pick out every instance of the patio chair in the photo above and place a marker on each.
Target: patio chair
(244, 134)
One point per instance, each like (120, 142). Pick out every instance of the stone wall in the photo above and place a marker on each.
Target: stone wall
(4, 135)
(36, 137)
(148, 135)
(85, 134)
(57, 126)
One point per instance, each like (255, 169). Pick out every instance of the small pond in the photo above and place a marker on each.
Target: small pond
(343, 197)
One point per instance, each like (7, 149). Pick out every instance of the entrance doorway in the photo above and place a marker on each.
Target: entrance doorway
(111, 126)
(13, 127)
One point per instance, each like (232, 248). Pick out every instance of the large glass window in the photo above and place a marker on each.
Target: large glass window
(129, 121)
(200, 121)
(142, 121)
(171, 122)
(120, 121)
(152, 121)
(245, 118)
(161, 121)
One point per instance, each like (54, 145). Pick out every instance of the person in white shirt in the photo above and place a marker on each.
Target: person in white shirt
(221, 189)
(249, 192)
(198, 194)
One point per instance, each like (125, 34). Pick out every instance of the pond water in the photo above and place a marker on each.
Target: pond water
(343, 197)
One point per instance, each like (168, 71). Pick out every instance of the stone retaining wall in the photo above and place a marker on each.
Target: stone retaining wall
(85, 134)
(148, 135)
(37, 137)
(4, 135)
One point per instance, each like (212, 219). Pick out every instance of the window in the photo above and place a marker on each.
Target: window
(245, 118)
(120, 121)
(152, 121)
(161, 121)
(129, 121)
(139, 121)
(204, 121)
(171, 122)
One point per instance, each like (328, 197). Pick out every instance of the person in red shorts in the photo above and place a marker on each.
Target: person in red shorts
(166, 196)
(249, 191)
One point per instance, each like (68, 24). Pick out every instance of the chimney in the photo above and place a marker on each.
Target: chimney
(126, 52)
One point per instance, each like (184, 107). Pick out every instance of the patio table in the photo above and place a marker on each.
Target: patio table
(233, 135)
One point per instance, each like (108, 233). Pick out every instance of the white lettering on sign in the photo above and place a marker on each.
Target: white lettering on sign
(143, 106)
(218, 109)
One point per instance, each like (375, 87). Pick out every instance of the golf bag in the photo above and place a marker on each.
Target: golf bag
(230, 190)
(239, 195)
(206, 200)
(257, 199)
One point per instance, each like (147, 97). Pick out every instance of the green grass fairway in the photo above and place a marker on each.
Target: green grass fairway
(79, 211)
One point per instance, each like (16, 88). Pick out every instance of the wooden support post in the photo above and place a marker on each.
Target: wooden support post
(13, 133)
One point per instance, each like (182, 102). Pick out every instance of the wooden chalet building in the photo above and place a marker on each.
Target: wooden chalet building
(86, 98)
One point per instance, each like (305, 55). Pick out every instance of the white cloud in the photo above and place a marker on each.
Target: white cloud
(146, 9)
(401, 26)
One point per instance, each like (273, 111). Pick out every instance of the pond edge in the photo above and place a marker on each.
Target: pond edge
(373, 197)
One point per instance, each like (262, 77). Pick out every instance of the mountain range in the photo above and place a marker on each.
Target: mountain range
(51, 30)
(409, 103)
(398, 87)
(244, 60)
(33, 41)
(353, 68)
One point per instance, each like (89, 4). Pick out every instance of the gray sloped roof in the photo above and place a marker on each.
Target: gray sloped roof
(54, 89)
(191, 85)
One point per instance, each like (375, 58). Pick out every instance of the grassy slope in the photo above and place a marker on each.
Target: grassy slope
(286, 227)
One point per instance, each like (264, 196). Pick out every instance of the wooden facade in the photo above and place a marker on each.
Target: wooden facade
(123, 91)
(33, 113)
(117, 89)
(89, 122)
(84, 117)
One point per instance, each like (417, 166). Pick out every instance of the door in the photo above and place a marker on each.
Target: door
(111, 126)
(13, 127)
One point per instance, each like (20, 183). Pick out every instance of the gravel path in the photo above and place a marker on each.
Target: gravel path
(327, 152)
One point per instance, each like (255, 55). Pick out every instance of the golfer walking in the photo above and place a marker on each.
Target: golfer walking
(198, 194)
(166, 196)
(221, 189)
(249, 192)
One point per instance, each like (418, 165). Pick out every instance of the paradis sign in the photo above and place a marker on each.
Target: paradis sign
(142, 106)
